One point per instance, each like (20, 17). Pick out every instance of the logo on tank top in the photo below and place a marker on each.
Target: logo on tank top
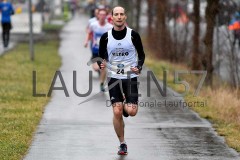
(119, 52)
(120, 65)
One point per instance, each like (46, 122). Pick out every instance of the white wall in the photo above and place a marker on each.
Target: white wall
(20, 23)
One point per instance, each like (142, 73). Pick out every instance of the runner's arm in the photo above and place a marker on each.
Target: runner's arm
(137, 42)
(88, 37)
(103, 48)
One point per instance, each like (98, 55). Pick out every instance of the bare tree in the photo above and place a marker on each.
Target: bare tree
(196, 62)
(138, 13)
(150, 19)
(211, 12)
(162, 29)
(233, 58)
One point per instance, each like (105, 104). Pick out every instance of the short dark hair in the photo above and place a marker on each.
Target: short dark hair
(116, 7)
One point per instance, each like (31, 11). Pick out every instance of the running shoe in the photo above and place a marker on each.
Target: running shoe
(102, 87)
(122, 149)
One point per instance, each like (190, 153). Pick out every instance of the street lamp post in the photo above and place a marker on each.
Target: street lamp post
(31, 47)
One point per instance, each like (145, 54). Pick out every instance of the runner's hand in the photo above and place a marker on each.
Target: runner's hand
(135, 70)
(86, 44)
(103, 64)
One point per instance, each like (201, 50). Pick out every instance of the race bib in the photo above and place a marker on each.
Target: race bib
(120, 69)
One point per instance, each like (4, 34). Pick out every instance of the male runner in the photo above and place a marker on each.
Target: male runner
(122, 51)
(97, 29)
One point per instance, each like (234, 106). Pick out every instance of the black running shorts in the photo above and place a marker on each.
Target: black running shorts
(129, 88)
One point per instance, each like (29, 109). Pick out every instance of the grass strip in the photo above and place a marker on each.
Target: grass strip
(20, 112)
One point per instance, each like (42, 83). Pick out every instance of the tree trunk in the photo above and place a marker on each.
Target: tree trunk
(138, 13)
(196, 62)
(211, 12)
(150, 18)
(152, 25)
(161, 28)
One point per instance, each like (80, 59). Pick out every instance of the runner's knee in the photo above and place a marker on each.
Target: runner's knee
(117, 110)
(133, 112)
(132, 109)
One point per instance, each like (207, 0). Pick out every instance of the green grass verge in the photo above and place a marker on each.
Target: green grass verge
(52, 27)
(222, 107)
(20, 112)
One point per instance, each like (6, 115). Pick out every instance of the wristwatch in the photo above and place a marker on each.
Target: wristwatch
(139, 68)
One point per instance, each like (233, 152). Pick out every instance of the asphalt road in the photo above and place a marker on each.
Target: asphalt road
(70, 131)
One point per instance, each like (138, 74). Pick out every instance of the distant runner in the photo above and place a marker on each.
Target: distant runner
(96, 30)
(7, 10)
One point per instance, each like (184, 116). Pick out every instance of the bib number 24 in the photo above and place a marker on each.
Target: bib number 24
(120, 71)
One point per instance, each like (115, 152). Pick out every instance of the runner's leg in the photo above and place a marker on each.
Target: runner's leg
(118, 122)
(3, 33)
(7, 38)
(116, 100)
(102, 75)
(130, 89)
(131, 109)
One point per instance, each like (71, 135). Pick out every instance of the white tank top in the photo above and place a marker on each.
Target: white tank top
(122, 56)
(98, 31)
